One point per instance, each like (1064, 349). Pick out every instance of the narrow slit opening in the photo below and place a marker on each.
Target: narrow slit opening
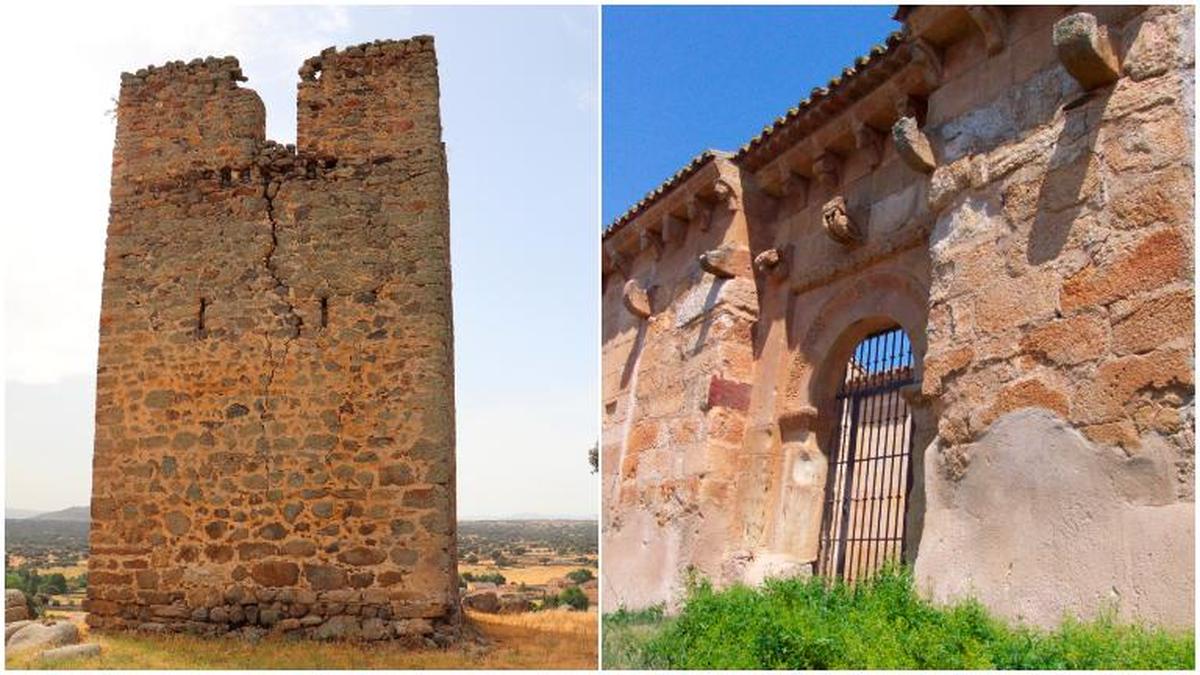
(201, 332)
(324, 311)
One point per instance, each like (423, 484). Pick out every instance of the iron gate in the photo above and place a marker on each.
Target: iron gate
(869, 480)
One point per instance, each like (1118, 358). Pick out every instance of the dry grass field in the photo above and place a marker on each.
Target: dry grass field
(525, 574)
(67, 571)
(550, 640)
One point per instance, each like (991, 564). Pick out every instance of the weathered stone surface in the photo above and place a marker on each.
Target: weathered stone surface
(1156, 260)
(726, 262)
(325, 577)
(275, 348)
(339, 628)
(38, 635)
(71, 652)
(11, 627)
(912, 145)
(1085, 51)
(482, 601)
(275, 573)
(636, 299)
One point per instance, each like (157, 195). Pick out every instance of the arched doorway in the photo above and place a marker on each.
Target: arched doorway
(870, 473)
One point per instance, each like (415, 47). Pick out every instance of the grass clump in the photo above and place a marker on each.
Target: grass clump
(881, 623)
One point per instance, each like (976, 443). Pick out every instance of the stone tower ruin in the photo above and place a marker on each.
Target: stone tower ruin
(940, 311)
(275, 412)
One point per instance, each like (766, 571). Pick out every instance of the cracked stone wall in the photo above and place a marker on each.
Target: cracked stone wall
(275, 417)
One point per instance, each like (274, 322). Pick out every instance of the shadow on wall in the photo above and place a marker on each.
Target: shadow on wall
(1073, 164)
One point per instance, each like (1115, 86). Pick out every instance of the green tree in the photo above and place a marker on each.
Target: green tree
(574, 598)
(581, 575)
(55, 584)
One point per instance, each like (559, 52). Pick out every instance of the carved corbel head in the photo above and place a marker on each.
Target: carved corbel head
(726, 262)
(838, 224)
(725, 194)
(774, 263)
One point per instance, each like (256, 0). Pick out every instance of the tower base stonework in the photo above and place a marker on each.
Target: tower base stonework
(275, 412)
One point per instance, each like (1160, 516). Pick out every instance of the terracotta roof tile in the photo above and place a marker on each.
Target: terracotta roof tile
(678, 177)
(816, 96)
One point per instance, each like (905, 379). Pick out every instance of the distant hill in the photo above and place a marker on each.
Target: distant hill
(74, 514)
(15, 514)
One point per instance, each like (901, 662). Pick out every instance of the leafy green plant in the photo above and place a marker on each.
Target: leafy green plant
(580, 575)
(574, 598)
(880, 623)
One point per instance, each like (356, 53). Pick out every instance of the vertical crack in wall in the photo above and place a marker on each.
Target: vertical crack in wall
(269, 158)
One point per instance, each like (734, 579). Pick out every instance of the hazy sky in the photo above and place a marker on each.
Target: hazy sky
(520, 112)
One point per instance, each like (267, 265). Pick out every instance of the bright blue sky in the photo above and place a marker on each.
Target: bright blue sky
(678, 80)
(520, 112)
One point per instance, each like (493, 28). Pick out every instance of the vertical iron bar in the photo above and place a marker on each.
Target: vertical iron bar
(870, 442)
(848, 483)
(879, 532)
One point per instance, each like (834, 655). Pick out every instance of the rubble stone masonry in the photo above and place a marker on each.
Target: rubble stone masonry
(1012, 187)
(275, 417)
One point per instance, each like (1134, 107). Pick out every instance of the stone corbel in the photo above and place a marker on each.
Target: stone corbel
(726, 262)
(868, 140)
(636, 299)
(699, 213)
(774, 263)
(673, 229)
(779, 181)
(651, 239)
(826, 169)
(724, 193)
(1086, 51)
(912, 145)
(927, 57)
(837, 222)
(991, 22)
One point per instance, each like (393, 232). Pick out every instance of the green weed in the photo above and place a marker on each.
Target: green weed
(881, 623)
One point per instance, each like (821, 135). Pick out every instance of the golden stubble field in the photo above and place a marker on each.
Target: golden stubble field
(555, 639)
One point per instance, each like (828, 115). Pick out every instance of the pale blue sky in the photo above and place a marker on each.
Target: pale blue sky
(520, 114)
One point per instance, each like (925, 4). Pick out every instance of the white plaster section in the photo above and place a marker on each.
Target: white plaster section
(1044, 524)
